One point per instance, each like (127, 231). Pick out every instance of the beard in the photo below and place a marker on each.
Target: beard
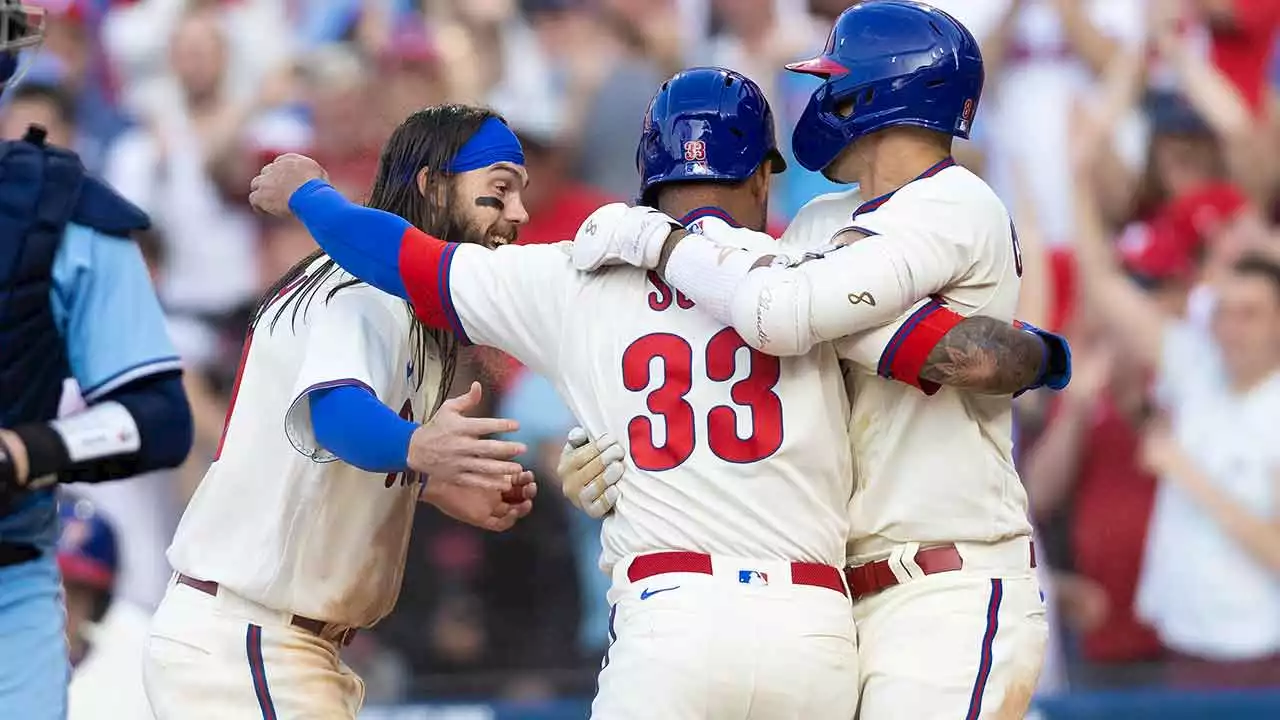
(462, 226)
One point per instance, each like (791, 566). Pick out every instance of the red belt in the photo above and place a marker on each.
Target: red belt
(875, 576)
(311, 625)
(646, 566)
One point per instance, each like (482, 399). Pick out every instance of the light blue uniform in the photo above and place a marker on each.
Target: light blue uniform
(109, 317)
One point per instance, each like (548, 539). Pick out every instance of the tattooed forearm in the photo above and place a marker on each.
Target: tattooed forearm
(985, 355)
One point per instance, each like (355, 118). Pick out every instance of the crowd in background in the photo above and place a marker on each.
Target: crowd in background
(1135, 142)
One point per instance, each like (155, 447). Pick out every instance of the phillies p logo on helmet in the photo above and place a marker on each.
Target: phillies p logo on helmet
(695, 150)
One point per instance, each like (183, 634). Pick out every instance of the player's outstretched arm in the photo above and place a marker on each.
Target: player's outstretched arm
(780, 305)
(514, 298)
(365, 242)
(451, 448)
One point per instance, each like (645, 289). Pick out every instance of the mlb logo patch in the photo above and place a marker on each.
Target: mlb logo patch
(966, 116)
(753, 577)
(695, 150)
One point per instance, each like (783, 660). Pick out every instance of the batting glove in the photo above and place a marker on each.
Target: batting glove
(620, 235)
(589, 472)
(1055, 372)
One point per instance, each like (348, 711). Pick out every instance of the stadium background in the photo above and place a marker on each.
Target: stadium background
(178, 102)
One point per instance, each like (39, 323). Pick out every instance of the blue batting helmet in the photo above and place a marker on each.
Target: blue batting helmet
(705, 123)
(888, 63)
(21, 27)
(87, 551)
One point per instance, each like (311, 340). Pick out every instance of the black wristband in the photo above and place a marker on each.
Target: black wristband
(46, 452)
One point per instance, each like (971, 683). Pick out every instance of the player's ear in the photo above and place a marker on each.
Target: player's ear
(441, 189)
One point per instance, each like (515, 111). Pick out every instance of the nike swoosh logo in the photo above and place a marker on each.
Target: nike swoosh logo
(649, 592)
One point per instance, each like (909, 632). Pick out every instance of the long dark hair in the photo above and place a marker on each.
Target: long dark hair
(429, 138)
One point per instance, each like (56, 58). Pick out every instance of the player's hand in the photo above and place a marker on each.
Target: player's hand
(616, 234)
(452, 448)
(589, 472)
(270, 191)
(487, 509)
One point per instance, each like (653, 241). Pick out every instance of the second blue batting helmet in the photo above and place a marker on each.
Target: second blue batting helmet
(705, 123)
(87, 550)
(888, 63)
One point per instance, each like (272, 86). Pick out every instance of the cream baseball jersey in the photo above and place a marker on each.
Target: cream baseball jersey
(933, 466)
(279, 520)
(729, 451)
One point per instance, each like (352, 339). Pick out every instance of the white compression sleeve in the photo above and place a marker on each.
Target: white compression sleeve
(789, 307)
(709, 274)
(768, 306)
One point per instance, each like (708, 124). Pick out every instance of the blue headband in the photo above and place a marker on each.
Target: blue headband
(493, 143)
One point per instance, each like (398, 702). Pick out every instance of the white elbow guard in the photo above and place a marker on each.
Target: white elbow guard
(771, 311)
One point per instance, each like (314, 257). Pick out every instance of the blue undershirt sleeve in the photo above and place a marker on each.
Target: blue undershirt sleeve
(364, 241)
(351, 423)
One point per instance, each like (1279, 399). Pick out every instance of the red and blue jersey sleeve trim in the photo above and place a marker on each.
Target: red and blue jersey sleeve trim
(426, 266)
(904, 357)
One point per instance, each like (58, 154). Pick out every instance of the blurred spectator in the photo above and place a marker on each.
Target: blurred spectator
(1208, 583)
(1040, 54)
(49, 106)
(136, 36)
(185, 166)
(1087, 461)
(411, 68)
(1217, 511)
(1243, 39)
(638, 49)
(71, 57)
(1183, 155)
(105, 633)
(758, 37)
(336, 83)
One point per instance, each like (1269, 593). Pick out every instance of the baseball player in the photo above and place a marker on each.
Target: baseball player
(297, 535)
(739, 468)
(75, 302)
(938, 514)
(106, 633)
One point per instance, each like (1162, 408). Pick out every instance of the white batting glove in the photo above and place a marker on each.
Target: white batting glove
(589, 472)
(616, 234)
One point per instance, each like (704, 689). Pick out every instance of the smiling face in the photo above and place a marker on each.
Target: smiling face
(486, 205)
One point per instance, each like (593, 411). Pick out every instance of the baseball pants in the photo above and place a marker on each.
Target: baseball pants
(226, 658)
(34, 670)
(742, 642)
(965, 644)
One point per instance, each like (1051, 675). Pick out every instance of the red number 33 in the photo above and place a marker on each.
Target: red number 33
(754, 392)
